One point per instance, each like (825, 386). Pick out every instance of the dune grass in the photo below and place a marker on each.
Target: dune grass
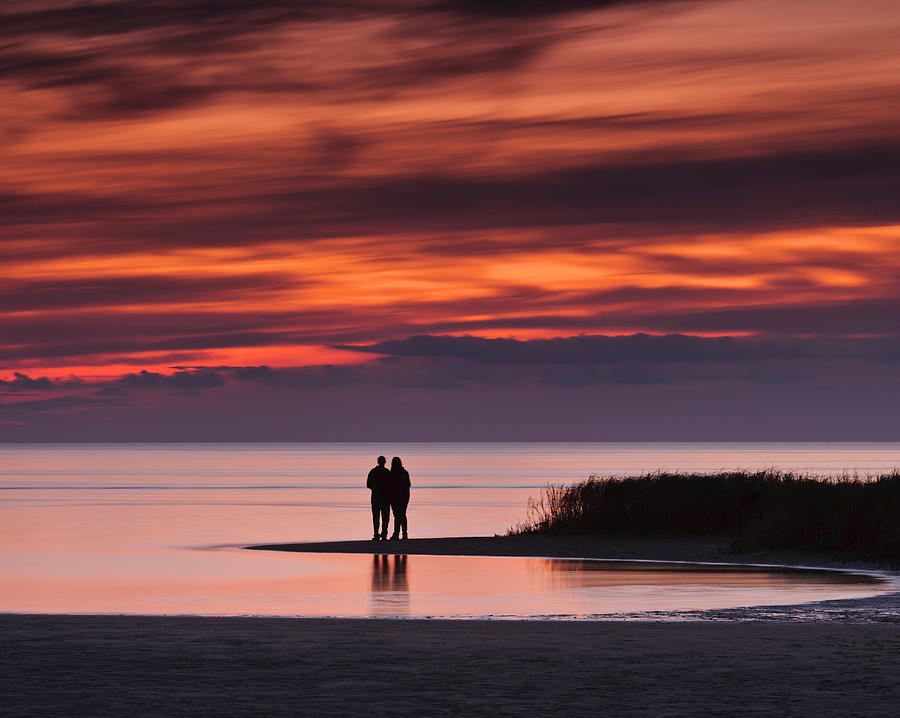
(767, 509)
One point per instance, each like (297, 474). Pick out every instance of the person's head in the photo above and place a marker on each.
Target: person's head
(396, 463)
(381, 460)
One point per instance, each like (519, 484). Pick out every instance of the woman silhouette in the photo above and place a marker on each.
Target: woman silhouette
(399, 496)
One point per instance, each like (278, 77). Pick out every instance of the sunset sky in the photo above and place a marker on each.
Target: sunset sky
(440, 220)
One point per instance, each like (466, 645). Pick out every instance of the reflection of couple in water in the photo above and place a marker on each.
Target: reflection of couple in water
(384, 579)
(390, 588)
(390, 492)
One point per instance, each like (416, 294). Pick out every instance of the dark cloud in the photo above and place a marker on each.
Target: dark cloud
(108, 390)
(643, 120)
(861, 316)
(795, 188)
(837, 186)
(644, 348)
(111, 85)
(183, 380)
(823, 318)
(438, 63)
(308, 377)
(53, 349)
(260, 374)
(198, 378)
(95, 331)
(23, 382)
(568, 350)
(20, 295)
(190, 380)
(55, 69)
(179, 381)
(115, 17)
(138, 94)
(507, 9)
(209, 20)
(127, 79)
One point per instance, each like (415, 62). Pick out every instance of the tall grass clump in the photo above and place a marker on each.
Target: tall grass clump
(757, 509)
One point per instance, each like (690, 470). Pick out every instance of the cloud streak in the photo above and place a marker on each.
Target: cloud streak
(847, 186)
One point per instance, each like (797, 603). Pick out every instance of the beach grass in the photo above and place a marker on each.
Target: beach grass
(768, 509)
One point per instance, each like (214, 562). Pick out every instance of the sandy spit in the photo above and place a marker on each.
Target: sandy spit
(660, 547)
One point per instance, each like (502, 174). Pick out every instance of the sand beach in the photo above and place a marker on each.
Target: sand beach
(137, 666)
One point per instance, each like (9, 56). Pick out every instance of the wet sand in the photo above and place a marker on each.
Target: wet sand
(137, 666)
(170, 666)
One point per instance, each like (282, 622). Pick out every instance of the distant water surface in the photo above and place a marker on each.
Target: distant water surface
(100, 528)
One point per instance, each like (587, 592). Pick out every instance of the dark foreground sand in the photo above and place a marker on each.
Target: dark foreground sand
(156, 666)
(135, 666)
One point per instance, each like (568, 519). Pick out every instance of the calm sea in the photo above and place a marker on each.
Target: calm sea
(154, 528)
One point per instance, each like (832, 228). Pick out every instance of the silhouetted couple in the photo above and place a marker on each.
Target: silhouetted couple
(390, 492)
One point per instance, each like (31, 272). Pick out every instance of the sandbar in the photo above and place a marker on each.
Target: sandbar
(657, 547)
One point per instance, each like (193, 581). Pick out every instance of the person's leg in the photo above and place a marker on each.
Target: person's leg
(403, 506)
(376, 512)
(395, 507)
(385, 508)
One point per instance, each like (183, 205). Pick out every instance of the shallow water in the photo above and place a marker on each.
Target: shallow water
(129, 529)
(239, 582)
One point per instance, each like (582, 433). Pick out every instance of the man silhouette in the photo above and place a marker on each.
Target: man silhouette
(379, 482)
